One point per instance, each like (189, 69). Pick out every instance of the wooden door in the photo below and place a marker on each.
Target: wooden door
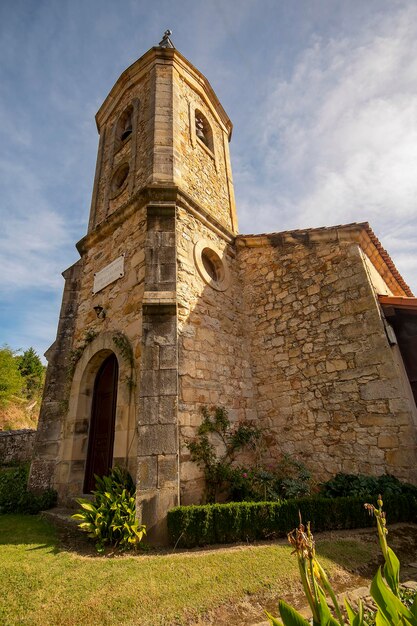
(101, 432)
(406, 330)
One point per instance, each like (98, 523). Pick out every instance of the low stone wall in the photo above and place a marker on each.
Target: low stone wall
(16, 446)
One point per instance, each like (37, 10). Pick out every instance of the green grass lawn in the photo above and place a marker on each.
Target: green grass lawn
(42, 583)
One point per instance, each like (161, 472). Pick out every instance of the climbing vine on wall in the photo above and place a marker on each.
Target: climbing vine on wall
(126, 352)
(218, 466)
(124, 346)
(74, 356)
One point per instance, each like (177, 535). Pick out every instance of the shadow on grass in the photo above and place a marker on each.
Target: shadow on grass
(28, 530)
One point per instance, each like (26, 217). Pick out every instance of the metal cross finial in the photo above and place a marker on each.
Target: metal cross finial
(166, 41)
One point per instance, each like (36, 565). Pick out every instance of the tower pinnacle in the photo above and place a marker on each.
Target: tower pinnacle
(166, 41)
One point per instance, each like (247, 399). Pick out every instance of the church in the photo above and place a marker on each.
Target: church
(309, 334)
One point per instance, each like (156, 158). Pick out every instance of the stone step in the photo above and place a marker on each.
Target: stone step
(61, 517)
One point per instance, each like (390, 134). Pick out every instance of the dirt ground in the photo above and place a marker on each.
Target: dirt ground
(19, 414)
(250, 611)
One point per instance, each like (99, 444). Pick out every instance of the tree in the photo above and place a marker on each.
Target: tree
(33, 372)
(11, 381)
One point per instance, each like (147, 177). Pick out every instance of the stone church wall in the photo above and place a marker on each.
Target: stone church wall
(203, 174)
(214, 367)
(329, 386)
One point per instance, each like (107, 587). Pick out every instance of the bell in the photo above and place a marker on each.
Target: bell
(200, 132)
(126, 133)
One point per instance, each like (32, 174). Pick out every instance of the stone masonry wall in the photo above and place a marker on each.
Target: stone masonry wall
(200, 173)
(16, 446)
(329, 388)
(121, 299)
(214, 368)
(136, 150)
(122, 302)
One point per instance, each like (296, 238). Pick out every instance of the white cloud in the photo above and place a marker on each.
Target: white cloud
(33, 236)
(340, 135)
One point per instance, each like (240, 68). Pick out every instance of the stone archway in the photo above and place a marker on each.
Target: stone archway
(72, 463)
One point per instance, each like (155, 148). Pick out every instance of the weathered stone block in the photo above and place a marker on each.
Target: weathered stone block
(167, 470)
(159, 383)
(147, 473)
(157, 439)
(377, 389)
(388, 441)
(159, 410)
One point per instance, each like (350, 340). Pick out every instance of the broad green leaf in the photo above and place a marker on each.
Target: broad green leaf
(88, 506)
(381, 620)
(290, 616)
(273, 619)
(392, 571)
(387, 602)
(326, 618)
(355, 619)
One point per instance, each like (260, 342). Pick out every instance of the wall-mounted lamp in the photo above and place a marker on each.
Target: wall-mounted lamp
(100, 312)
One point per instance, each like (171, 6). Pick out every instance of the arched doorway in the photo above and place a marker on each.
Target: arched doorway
(101, 431)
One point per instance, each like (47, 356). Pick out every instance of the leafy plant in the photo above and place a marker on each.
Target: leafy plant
(216, 446)
(11, 380)
(361, 485)
(32, 371)
(385, 587)
(111, 517)
(15, 497)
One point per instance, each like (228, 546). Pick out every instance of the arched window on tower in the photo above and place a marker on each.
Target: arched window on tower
(124, 127)
(203, 130)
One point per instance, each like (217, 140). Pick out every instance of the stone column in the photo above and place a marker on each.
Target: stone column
(158, 471)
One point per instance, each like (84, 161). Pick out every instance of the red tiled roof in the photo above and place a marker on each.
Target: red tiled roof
(399, 302)
(386, 257)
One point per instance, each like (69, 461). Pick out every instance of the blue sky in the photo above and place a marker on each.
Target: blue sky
(322, 95)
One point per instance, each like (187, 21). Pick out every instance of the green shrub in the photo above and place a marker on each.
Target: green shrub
(190, 526)
(360, 485)
(15, 497)
(111, 517)
(289, 478)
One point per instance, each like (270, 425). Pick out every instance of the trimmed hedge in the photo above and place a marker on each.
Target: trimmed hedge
(190, 526)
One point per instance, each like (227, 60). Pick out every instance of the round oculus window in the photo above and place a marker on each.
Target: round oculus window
(212, 268)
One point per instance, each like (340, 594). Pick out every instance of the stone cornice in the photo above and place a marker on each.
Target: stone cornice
(138, 70)
(360, 233)
(156, 195)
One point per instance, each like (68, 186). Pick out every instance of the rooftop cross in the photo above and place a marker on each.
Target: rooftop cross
(166, 41)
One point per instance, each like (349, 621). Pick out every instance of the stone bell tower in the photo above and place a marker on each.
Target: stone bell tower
(113, 388)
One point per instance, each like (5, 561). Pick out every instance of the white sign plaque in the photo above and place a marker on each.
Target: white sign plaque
(109, 274)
